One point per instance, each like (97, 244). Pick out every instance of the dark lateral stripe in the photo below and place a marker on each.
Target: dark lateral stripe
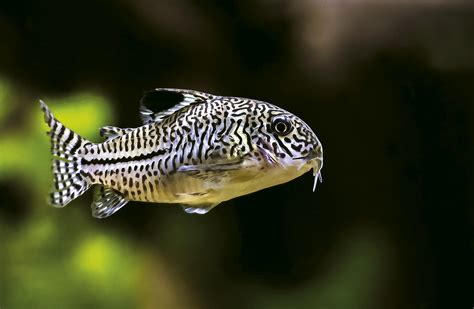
(125, 159)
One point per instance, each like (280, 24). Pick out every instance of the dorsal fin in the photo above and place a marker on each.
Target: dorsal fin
(110, 132)
(159, 103)
(106, 202)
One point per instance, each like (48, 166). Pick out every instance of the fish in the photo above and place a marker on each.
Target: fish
(194, 149)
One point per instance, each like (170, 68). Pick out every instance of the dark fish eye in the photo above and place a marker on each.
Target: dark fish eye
(281, 126)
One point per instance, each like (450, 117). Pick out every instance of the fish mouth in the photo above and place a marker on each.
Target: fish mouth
(315, 159)
(316, 164)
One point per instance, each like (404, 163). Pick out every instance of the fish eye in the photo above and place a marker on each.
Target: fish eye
(281, 126)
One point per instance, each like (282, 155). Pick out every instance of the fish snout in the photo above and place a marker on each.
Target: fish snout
(314, 153)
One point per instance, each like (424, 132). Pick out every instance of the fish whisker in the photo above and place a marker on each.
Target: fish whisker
(317, 173)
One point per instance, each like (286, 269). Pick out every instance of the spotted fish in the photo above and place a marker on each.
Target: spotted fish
(195, 149)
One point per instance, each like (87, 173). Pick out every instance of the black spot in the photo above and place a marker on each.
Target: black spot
(297, 148)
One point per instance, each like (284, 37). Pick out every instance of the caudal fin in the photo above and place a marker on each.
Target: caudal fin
(69, 183)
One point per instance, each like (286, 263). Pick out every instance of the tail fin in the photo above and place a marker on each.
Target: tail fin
(68, 181)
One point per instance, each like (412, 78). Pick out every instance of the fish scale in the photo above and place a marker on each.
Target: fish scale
(194, 149)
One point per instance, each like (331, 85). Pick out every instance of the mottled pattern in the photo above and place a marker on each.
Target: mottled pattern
(196, 151)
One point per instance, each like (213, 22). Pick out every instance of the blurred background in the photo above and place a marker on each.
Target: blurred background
(386, 85)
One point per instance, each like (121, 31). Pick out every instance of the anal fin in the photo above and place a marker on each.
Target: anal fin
(200, 209)
(106, 202)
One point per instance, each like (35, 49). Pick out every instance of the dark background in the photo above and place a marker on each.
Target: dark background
(386, 85)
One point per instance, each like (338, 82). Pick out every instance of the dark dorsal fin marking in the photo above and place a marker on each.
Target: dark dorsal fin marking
(157, 104)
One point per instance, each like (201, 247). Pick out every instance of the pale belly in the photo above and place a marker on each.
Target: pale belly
(188, 190)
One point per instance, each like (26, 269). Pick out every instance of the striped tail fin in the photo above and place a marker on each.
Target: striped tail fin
(68, 181)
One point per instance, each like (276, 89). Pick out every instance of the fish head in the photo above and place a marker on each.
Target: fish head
(286, 142)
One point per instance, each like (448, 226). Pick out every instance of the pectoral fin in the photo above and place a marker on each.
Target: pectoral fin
(199, 209)
(214, 166)
(212, 173)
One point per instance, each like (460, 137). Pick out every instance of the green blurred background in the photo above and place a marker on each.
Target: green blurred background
(386, 85)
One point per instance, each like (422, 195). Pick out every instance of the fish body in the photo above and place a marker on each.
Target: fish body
(194, 149)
